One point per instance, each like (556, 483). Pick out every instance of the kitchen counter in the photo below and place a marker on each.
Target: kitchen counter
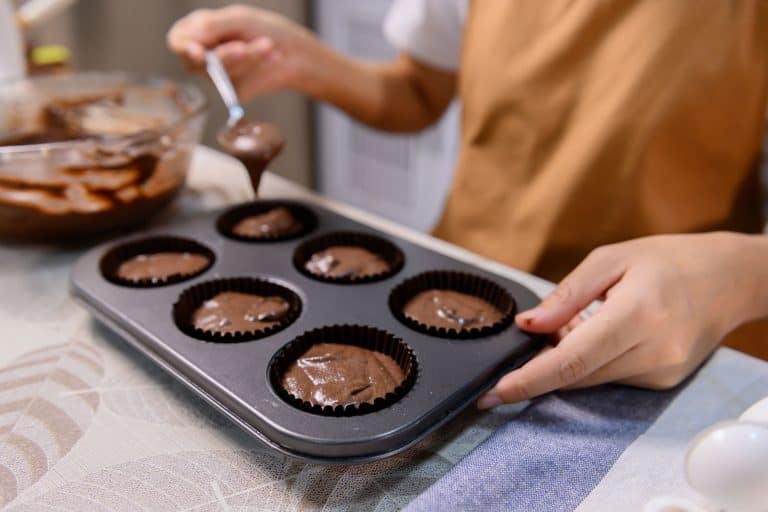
(86, 422)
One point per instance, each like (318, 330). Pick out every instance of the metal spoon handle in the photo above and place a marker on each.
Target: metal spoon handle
(223, 84)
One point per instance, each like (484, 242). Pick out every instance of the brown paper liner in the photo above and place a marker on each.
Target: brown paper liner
(361, 336)
(460, 282)
(384, 248)
(113, 258)
(229, 219)
(192, 298)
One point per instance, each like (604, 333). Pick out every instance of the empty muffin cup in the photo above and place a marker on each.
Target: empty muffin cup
(452, 305)
(235, 310)
(343, 370)
(346, 257)
(266, 221)
(156, 261)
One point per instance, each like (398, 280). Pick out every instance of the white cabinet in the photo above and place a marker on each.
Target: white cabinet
(402, 177)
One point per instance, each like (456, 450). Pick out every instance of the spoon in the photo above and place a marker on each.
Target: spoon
(255, 145)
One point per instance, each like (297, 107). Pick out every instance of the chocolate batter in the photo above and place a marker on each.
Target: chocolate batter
(336, 374)
(254, 144)
(24, 139)
(99, 188)
(160, 265)
(71, 190)
(276, 222)
(68, 119)
(239, 312)
(451, 310)
(346, 261)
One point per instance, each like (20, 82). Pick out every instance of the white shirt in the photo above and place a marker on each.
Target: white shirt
(429, 30)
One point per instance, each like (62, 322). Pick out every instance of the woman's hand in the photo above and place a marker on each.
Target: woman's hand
(262, 51)
(265, 52)
(669, 300)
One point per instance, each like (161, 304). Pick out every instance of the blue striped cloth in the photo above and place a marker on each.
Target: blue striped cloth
(551, 456)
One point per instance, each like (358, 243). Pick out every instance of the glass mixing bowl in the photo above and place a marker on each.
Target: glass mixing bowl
(93, 152)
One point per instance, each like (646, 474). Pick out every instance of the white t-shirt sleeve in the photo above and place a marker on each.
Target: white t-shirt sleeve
(429, 30)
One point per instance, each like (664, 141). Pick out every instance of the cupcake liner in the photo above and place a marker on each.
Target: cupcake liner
(459, 282)
(229, 219)
(358, 335)
(194, 297)
(112, 259)
(386, 249)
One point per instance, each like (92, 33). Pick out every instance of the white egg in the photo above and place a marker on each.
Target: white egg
(674, 504)
(757, 413)
(728, 463)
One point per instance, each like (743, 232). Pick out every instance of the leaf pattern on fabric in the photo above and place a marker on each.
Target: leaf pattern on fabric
(38, 276)
(47, 401)
(136, 388)
(235, 480)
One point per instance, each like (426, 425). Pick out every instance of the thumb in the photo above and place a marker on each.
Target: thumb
(586, 283)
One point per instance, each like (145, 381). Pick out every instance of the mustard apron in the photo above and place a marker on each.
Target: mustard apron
(588, 122)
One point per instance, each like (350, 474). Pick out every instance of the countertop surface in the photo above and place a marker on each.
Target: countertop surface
(88, 423)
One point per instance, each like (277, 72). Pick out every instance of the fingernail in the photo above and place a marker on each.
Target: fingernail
(194, 51)
(489, 400)
(527, 317)
(264, 44)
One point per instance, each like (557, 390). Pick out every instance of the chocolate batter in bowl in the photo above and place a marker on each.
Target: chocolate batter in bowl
(94, 152)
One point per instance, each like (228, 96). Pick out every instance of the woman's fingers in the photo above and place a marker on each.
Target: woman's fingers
(669, 300)
(194, 52)
(241, 57)
(587, 283)
(253, 66)
(184, 37)
(236, 59)
(237, 50)
(634, 362)
(658, 380)
(585, 346)
(634, 369)
(567, 328)
(590, 346)
(193, 34)
(263, 52)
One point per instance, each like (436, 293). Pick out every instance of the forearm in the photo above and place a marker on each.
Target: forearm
(265, 52)
(390, 96)
(754, 262)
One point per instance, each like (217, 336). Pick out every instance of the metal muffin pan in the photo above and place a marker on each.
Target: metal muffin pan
(234, 377)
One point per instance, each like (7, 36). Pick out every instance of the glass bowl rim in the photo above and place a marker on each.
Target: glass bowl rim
(128, 78)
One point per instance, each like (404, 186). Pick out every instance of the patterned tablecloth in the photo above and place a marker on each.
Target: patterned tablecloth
(86, 423)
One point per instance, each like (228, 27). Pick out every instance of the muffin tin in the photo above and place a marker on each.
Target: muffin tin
(239, 375)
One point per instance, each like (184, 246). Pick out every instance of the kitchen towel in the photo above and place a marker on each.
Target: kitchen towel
(552, 455)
